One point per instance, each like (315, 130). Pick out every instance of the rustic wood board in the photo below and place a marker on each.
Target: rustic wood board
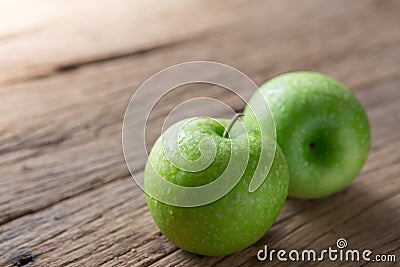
(66, 197)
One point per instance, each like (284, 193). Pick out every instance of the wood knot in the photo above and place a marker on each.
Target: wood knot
(22, 258)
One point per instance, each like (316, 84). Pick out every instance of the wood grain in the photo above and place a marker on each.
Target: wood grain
(66, 197)
(55, 36)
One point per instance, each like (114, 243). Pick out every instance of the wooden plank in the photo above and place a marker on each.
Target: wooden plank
(51, 36)
(62, 137)
(111, 225)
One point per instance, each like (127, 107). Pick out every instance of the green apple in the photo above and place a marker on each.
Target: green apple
(238, 218)
(322, 129)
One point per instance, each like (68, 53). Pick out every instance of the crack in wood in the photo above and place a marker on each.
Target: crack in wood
(22, 258)
(10, 218)
(100, 60)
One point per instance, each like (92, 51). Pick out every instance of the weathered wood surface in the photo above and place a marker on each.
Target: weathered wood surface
(67, 74)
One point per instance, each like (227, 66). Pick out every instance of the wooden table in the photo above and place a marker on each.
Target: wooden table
(69, 68)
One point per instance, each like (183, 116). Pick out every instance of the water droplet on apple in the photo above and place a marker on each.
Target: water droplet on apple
(171, 212)
(241, 203)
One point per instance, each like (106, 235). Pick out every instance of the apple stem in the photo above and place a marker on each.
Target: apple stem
(234, 119)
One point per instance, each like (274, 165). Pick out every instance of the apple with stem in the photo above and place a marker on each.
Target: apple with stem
(322, 129)
(218, 224)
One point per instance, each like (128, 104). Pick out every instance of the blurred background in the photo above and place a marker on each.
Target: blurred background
(69, 68)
